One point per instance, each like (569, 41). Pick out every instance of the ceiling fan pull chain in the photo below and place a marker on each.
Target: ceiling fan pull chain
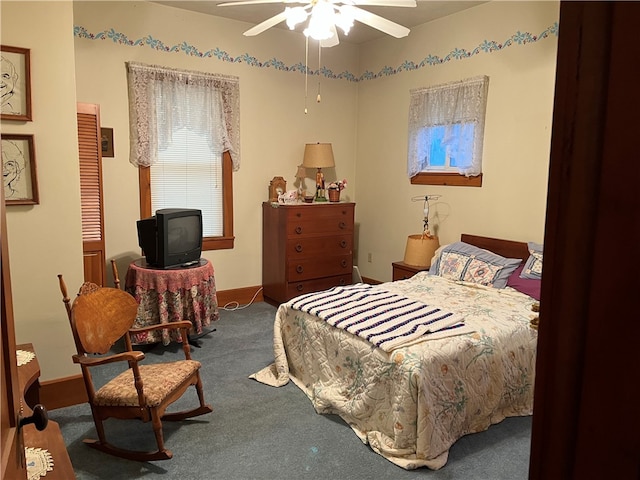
(306, 71)
(319, 67)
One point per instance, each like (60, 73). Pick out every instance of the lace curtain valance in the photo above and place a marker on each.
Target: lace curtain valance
(461, 103)
(152, 122)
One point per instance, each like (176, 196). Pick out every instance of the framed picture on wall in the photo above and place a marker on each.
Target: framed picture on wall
(15, 84)
(19, 170)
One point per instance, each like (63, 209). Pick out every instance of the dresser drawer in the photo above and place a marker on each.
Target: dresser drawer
(298, 288)
(316, 267)
(307, 246)
(319, 220)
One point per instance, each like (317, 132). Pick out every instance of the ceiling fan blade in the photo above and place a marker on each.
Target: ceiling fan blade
(385, 3)
(331, 42)
(256, 2)
(268, 23)
(380, 23)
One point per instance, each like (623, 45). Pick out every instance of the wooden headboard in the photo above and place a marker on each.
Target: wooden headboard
(506, 248)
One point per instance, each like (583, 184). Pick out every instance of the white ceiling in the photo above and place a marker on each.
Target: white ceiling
(426, 11)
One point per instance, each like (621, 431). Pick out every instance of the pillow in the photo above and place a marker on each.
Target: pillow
(533, 266)
(528, 286)
(462, 261)
(437, 253)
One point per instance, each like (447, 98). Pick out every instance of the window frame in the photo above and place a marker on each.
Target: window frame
(226, 241)
(445, 176)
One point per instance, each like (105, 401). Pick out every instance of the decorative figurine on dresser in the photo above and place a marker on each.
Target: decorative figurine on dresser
(305, 248)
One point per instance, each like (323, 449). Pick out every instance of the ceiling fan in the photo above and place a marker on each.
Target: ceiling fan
(325, 15)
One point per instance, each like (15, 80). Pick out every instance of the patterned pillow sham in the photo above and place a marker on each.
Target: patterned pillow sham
(462, 261)
(533, 266)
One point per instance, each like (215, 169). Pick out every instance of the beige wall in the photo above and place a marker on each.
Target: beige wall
(511, 202)
(274, 127)
(44, 239)
(365, 122)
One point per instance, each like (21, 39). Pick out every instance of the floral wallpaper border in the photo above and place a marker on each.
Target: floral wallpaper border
(486, 46)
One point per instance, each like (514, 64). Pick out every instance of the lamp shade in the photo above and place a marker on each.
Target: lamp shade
(420, 250)
(318, 155)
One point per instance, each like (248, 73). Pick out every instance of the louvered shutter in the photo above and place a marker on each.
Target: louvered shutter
(90, 178)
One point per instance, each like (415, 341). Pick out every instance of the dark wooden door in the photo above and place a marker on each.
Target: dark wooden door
(586, 421)
(91, 197)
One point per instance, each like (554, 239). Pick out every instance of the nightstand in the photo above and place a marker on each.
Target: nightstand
(402, 271)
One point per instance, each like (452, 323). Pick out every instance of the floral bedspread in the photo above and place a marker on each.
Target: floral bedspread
(411, 404)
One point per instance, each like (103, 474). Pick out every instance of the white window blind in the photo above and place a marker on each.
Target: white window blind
(188, 174)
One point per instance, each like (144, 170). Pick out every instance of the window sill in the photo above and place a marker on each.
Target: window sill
(217, 243)
(450, 179)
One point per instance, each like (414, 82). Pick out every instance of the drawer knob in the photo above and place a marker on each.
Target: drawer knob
(343, 263)
(299, 287)
(298, 248)
(343, 244)
(40, 418)
(298, 214)
(342, 225)
(343, 281)
(298, 230)
(299, 268)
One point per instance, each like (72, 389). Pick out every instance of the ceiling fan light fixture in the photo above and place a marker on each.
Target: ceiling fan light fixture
(295, 15)
(344, 18)
(321, 22)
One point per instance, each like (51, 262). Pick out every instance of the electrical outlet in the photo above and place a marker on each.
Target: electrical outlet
(369, 257)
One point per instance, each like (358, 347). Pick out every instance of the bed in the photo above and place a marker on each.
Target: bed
(411, 402)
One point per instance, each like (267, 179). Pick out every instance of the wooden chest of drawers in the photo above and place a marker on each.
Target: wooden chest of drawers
(305, 248)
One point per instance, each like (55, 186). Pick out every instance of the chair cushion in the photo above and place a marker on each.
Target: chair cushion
(159, 381)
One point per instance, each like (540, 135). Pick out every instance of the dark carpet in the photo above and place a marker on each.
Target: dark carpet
(261, 432)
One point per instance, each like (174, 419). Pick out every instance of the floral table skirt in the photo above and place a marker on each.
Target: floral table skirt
(172, 303)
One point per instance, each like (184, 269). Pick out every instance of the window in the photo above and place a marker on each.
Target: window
(446, 129)
(188, 173)
(186, 145)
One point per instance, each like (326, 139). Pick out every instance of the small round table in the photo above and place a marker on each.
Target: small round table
(172, 295)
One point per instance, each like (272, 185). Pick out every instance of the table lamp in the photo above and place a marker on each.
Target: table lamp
(318, 155)
(420, 249)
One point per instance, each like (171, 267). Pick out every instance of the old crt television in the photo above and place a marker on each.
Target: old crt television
(172, 238)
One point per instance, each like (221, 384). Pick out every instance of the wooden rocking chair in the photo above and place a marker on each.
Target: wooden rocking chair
(100, 316)
(116, 277)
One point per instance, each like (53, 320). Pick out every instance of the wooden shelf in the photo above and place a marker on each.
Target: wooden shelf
(51, 437)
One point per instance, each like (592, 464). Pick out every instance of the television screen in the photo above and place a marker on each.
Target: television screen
(183, 234)
(172, 238)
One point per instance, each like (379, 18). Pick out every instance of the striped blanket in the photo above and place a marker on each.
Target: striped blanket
(385, 319)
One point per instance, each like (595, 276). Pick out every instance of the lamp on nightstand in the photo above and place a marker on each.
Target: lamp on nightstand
(318, 155)
(420, 250)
